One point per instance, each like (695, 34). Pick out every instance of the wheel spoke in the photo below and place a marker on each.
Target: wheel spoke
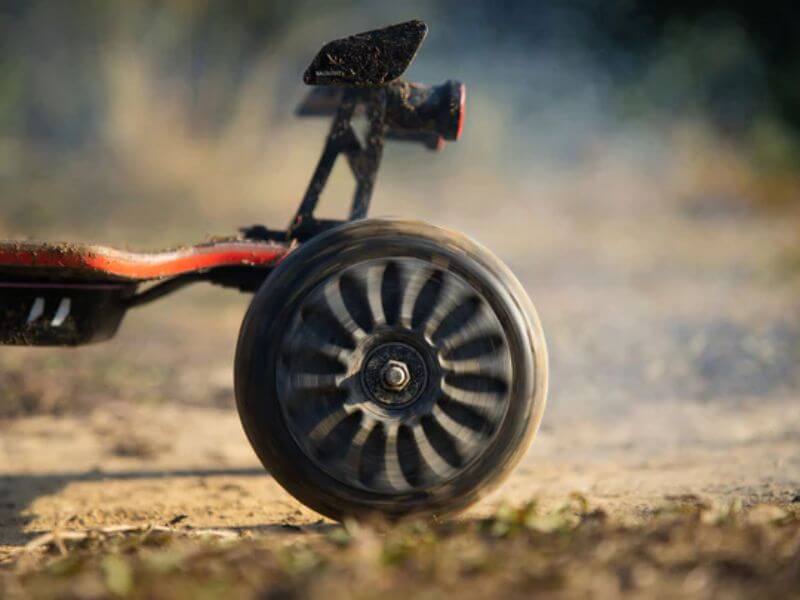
(449, 298)
(318, 320)
(462, 436)
(327, 424)
(496, 365)
(473, 420)
(415, 280)
(356, 449)
(479, 400)
(331, 439)
(411, 461)
(353, 289)
(427, 300)
(429, 454)
(462, 317)
(335, 302)
(392, 292)
(485, 343)
(374, 281)
(394, 472)
(473, 326)
(481, 382)
(372, 460)
(306, 409)
(334, 352)
(445, 445)
(314, 381)
(309, 340)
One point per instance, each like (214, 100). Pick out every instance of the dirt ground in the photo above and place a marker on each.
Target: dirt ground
(74, 473)
(674, 338)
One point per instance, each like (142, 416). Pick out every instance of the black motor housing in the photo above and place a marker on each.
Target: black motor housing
(53, 313)
(415, 112)
(419, 108)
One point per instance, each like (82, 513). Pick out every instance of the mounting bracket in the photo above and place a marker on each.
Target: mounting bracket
(364, 160)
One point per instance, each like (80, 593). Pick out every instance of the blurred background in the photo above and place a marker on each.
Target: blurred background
(634, 162)
(109, 109)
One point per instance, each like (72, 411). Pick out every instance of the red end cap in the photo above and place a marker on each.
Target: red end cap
(462, 109)
(453, 96)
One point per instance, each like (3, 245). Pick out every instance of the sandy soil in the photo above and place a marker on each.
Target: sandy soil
(674, 338)
(68, 473)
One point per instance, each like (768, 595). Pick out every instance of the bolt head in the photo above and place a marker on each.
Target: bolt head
(395, 375)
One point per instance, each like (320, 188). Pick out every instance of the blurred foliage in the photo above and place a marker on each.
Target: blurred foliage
(109, 108)
(41, 41)
(687, 550)
(732, 61)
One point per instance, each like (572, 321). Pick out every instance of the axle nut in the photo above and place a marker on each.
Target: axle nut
(395, 375)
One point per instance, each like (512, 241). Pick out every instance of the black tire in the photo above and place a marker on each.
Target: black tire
(390, 367)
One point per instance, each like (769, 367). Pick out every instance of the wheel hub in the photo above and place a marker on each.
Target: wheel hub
(394, 374)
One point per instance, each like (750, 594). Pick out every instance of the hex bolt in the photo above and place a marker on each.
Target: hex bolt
(395, 375)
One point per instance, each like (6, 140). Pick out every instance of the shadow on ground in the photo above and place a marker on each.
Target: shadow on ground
(18, 493)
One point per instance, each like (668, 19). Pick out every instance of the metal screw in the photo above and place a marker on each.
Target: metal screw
(395, 375)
